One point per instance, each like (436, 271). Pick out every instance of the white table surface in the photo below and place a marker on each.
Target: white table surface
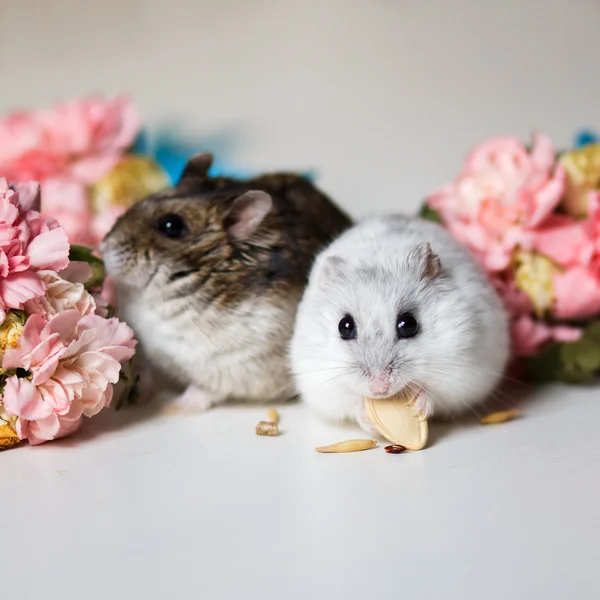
(137, 506)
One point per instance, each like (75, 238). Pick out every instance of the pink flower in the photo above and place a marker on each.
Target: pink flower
(74, 361)
(516, 301)
(529, 336)
(80, 139)
(52, 427)
(566, 241)
(574, 246)
(502, 195)
(67, 201)
(61, 295)
(28, 243)
(102, 222)
(577, 293)
(67, 149)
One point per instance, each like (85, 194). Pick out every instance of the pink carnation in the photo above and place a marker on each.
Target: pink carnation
(529, 336)
(28, 244)
(503, 194)
(67, 149)
(74, 361)
(574, 246)
(78, 140)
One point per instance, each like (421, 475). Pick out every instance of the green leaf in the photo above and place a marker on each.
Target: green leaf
(544, 367)
(583, 352)
(85, 254)
(580, 361)
(429, 214)
(592, 332)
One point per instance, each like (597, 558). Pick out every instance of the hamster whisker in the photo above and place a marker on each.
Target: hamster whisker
(466, 404)
(333, 378)
(343, 362)
(502, 398)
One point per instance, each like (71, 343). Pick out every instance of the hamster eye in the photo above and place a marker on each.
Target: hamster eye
(171, 225)
(406, 326)
(347, 328)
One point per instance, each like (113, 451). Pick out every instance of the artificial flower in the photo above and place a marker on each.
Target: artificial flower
(81, 139)
(502, 195)
(28, 244)
(131, 179)
(61, 295)
(73, 361)
(577, 294)
(68, 148)
(533, 275)
(11, 330)
(582, 168)
(532, 219)
(529, 335)
(59, 357)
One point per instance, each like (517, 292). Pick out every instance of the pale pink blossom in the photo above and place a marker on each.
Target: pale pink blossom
(28, 244)
(61, 295)
(74, 361)
(503, 194)
(528, 336)
(68, 202)
(69, 148)
(80, 140)
(574, 246)
(103, 222)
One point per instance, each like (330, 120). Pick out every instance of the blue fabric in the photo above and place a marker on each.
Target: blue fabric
(172, 154)
(585, 137)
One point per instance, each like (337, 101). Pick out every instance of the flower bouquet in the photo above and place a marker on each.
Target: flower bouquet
(60, 351)
(531, 215)
(82, 153)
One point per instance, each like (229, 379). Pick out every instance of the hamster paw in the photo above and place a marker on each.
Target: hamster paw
(193, 401)
(424, 406)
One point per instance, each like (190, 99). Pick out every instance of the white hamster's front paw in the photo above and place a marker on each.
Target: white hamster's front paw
(365, 422)
(192, 402)
(424, 405)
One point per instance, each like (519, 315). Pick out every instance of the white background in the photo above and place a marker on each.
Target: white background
(384, 98)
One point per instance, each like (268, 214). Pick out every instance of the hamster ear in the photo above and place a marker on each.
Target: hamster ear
(246, 214)
(197, 167)
(332, 271)
(425, 261)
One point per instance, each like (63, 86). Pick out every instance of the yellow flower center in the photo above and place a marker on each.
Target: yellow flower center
(533, 275)
(582, 167)
(132, 178)
(10, 332)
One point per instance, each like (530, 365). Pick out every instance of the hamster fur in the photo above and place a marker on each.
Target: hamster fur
(378, 272)
(209, 275)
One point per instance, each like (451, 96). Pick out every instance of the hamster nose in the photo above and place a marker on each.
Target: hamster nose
(379, 385)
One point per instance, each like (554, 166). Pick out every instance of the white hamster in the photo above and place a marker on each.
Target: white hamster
(396, 303)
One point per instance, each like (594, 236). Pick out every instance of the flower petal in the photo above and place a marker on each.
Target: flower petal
(23, 399)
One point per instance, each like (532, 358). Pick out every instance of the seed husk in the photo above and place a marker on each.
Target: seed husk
(267, 428)
(395, 449)
(273, 416)
(398, 421)
(501, 416)
(348, 446)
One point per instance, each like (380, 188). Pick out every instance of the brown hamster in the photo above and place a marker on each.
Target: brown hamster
(210, 274)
